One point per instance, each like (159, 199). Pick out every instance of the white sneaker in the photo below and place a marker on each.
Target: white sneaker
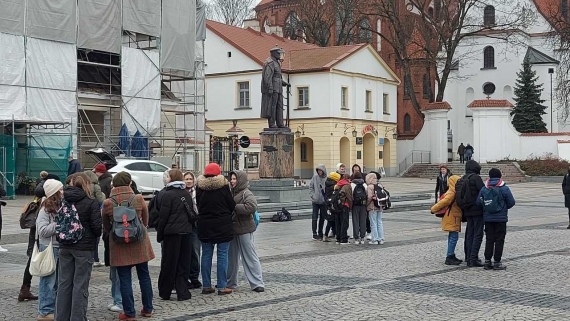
(369, 237)
(115, 308)
(381, 242)
(373, 242)
(362, 241)
(3, 249)
(98, 264)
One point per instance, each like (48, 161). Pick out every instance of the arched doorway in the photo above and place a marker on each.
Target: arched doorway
(386, 155)
(304, 167)
(369, 151)
(345, 151)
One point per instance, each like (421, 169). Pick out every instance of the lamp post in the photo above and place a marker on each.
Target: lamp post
(551, 72)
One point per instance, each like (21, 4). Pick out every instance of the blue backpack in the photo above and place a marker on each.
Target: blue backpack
(492, 200)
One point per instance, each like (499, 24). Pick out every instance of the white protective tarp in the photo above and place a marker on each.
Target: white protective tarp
(178, 38)
(51, 105)
(99, 25)
(51, 64)
(140, 74)
(12, 16)
(52, 20)
(12, 103)
(142, 16)
(12, 60)
(200, 20)
(141, 114)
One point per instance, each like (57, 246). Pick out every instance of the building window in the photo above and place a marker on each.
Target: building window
(368, 100)
(303, 94)
(407, 86)
(488, 57)
(378, 37)
(407, 123)
(344, 97)
(426, 87)
(304, 152)
(252, 160)
(489, 16)
(385, 105)
(243, 89)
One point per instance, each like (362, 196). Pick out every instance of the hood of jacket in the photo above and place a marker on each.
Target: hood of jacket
(73, 194)
(358, 166)
(177, 184)
(494, 182)
(343, 182)
(358, 181)
(371, 179)
(323, 168)
(242, 181)
(338, 166)
(92, 177)
(472, 167)
(452, 180)
(211, 183)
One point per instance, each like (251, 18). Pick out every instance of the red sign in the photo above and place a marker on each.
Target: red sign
(369, 129)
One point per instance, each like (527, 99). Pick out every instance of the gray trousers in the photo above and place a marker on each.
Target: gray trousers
(73, 284)
(276, 110)
(359, 215)
(242, 247)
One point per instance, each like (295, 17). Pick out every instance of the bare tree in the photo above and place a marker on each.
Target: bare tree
(231, 12)
(431, 31)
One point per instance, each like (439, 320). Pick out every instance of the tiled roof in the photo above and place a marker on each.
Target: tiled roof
(551, 11)
(437, 105)
(299, 56)
(545, 134)
(481, 103)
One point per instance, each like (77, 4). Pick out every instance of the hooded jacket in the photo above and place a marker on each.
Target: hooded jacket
(173, 218)
(451, 221)
(371, 181)
(246, 205)
(89, 211)
(345, 193)
(215, 205)
(353, 186)
(95, 187)
(317, 186)
(476, 184)
(105, 181)
(338, 166)
(503, 215)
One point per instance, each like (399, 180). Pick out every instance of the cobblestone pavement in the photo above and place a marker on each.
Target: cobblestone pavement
(404, 279)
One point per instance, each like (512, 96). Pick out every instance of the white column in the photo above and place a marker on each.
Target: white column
(436, 122)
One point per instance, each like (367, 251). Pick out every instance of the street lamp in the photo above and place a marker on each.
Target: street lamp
(300, 131)
(551, 72)
(347, 127)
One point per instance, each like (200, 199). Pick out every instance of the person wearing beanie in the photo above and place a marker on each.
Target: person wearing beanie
(330, 183)
(495, 198)
(46, 234)
(472, 212)
(104, 178)
(317, 193)
(125, 256)
(566, 192)
(216, 205)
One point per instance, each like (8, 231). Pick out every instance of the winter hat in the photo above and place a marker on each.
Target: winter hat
(495, 173)
(51, 186)
(100, 168)
(334, 176)
(212, 169)
(122, 179)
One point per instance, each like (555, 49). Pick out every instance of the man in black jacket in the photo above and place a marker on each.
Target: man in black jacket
(474, 215)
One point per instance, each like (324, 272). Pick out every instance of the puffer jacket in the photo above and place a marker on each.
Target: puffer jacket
(215, 206)
(173, 217)
(476, 184)
(371, 181)
(95, 187)
(89, 212)
(246, 205)
(451, 221)
(317, 185)
(503, 215)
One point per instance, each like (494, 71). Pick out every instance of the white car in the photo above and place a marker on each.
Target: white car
(146, 174)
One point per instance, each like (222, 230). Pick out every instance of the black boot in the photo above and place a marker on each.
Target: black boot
(488, 265)
(475, 263)
(456, 259)
(498, 266)
(450, 260)
(25, 294)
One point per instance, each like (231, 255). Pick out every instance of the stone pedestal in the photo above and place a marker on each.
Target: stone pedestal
(279, 190)
(276, 157)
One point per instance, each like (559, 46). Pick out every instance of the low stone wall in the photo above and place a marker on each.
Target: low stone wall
(545, 179)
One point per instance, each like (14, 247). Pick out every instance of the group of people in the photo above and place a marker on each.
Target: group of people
(192, 214)
(357, 195)
(483, 205)
(465, 152)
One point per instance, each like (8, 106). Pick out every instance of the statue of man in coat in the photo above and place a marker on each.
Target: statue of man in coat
(272, 89)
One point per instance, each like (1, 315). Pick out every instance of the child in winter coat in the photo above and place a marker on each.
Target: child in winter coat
(341, 218)
(451, 221)
(496, 199)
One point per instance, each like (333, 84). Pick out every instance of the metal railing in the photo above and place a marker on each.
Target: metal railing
(414, 157)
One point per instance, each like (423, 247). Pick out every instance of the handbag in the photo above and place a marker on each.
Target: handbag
(256, 218)
(42, 263)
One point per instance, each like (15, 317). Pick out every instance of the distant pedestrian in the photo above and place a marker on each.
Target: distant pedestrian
(566, 192)
(469, 151)
(105, 178)
(496, 199)
(39, 192)
(330, 184)
(461, 153)
(359, 213)
(74, 166)
(441, 185)
(451, 220)
(342, 218)
(374, 211)
(318, 199)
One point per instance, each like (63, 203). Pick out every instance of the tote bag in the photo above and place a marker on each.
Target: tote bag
(42, 263)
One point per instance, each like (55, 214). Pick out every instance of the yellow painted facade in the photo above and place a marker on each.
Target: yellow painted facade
(327, 143)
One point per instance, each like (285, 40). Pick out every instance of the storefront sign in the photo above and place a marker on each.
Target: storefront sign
(369, 129)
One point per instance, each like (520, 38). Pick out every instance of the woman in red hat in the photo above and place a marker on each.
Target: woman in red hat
(215, 225)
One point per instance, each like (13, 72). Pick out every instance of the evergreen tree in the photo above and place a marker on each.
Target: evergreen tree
(528, 111)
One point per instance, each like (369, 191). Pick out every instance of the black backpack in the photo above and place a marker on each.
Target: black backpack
(333, 203)
(282, 216)
(382, 197)
(464, 197)
(359, 195)
(153, 213)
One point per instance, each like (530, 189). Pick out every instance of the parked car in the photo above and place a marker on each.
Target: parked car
(147, 174)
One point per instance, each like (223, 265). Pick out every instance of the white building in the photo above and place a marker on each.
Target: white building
(342, 104)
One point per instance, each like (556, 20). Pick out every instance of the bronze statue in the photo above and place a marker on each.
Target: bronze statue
(272, 89)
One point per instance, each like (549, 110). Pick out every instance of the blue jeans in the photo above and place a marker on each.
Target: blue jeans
(222, 264)
(115, 287)
(125, 278)
(48, 288)
(376, 225)
(452, 242)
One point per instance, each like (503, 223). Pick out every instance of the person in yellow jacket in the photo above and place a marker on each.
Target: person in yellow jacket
(451, 221)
